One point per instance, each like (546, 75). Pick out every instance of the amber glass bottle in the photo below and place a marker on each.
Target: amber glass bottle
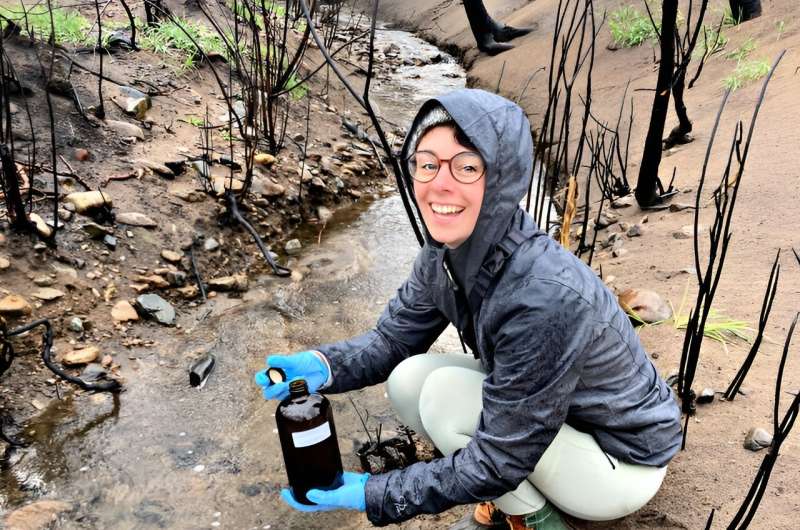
(308, 440)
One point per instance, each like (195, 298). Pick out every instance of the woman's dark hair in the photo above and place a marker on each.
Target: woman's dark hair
(461, 137)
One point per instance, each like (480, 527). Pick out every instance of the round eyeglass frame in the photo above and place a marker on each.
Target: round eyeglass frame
(410, 165)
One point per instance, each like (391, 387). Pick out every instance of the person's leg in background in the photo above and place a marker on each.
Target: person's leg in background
(490, 36)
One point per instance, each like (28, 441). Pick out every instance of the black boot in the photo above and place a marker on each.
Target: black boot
(483, 28)
(506, 33)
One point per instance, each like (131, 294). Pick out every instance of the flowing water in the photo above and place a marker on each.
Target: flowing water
(165, 455)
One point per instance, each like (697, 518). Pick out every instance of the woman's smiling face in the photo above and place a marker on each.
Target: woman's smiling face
(449, 208)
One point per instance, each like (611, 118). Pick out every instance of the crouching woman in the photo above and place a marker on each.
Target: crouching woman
(559, 410)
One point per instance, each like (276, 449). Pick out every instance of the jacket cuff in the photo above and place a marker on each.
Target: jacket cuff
(374, 492)
(325, 360)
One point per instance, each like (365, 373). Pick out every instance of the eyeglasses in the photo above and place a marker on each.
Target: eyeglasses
(466, 167)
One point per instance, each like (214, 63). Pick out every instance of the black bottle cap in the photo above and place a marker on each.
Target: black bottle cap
(276, 375)
(298, 387)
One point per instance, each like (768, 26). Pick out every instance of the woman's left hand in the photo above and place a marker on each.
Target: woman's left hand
(349, 496)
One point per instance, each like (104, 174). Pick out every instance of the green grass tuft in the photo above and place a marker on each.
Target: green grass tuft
(631, 27)
(743, 51)
(69, 26)
(168, 37)
(746, 72)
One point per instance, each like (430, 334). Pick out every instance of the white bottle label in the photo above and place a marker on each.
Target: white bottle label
(311, 436)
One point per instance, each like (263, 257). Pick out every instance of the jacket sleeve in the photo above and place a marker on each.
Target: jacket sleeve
(409, 324)
(538, 343)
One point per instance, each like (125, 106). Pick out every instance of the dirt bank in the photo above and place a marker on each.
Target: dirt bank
(714, 471)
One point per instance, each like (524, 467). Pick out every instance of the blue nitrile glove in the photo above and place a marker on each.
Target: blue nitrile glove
(348, 496)
(304, 365)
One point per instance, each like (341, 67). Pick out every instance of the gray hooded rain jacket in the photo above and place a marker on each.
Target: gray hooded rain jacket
(553, 340)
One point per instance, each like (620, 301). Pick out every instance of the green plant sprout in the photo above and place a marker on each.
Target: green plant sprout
(193, 121)
(780, 27)
(713, 42)
(746, 72)
(743, 50)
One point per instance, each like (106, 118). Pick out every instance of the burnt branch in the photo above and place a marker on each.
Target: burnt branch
(766, 307)
(47, 344)
(719, 239)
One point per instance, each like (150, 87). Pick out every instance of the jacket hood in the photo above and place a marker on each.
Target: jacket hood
(502, 134)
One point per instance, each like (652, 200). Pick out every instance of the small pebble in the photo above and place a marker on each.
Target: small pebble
(198, 468)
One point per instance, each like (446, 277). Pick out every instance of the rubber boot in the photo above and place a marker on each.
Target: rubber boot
(547, 518)
(482, 27)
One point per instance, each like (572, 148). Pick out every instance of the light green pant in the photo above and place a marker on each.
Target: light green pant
(439, 396)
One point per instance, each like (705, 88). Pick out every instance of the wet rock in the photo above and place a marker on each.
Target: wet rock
(42, 228)
(222, 184)
(237, 282)
(635, 230)
(96, 231)
(153, 306)
(123, 311)
(293, 246)
(38, 515)
(14, 306)
(318, 183)
(156, 167)
(81, 356)
(47, 294)
(623, 202)
(606, 219)
(93, 373)
(153, 280)
(614, 238)
(171, 256)
(136, 219)
(64, 214)
(265, 159)
(189, 292)
(175, 278)
(86, 201)
(81, 155)
(125, 129)
(76, 325)
(757, 439)
(4, 263)
(706, 396)
(270, 189)
(645, 304)
(210, 244)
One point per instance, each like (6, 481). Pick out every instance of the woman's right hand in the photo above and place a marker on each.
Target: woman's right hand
(306, 365)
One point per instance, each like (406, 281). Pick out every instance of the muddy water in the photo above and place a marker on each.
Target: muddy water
(165, 455)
